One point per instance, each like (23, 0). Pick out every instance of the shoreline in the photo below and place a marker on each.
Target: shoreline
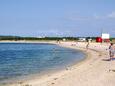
(59, 72)
(84, 73)
(44, 74)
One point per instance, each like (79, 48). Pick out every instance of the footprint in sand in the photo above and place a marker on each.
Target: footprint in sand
(55, 78)
(52, 83)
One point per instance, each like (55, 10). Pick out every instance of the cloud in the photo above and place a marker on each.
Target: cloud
(107, 16)
(111, 15)
(97, 17)
(78, 18)
(91, 17)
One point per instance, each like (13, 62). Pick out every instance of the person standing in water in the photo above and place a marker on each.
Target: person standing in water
(111, 51)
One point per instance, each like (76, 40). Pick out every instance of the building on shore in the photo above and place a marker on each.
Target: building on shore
(105, 37)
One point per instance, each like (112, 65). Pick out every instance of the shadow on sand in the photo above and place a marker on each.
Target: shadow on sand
(110, 59)
(106, 59)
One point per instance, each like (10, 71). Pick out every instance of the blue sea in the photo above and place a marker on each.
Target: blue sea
(23, 59)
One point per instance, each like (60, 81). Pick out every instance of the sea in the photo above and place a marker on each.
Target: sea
(24, 59)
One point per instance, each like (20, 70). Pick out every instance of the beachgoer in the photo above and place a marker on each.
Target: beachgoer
(111, 51)
(87, 46)
(58, 41)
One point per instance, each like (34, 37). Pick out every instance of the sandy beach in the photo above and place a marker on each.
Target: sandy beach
(95, 70)
(57, 42)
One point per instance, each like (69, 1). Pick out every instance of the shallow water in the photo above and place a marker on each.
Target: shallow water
(23, 59)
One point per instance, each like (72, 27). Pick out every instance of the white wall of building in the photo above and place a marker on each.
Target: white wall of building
(105, 36)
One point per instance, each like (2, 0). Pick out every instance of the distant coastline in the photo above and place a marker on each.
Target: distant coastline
(44, 39)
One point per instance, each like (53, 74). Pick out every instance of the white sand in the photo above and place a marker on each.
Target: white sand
(94, 71)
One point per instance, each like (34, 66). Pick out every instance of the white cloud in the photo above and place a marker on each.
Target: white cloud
(93, 17)
(97, 17)
(107, 16)
(111, 15)
(78, 18)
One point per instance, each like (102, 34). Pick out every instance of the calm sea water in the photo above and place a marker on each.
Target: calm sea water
(22, 59)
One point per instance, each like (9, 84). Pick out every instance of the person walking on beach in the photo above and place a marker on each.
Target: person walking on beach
(87, 46)
(111, 51)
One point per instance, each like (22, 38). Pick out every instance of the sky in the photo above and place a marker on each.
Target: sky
(57, 17)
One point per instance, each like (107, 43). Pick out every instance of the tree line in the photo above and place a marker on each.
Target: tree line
(17, 38)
